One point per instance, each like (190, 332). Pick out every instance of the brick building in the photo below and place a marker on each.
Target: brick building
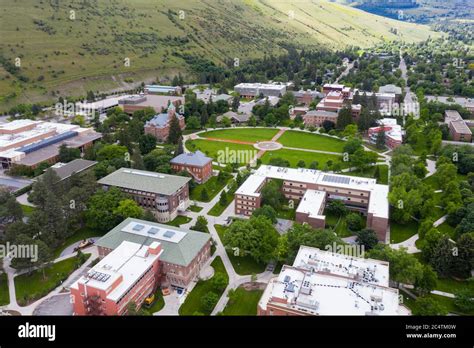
(329, 283)
(137, 258)
(184, 251)
(163, 194)
(393, 132)
(317, 117)
(195, 163)
(159, 126)
(358, 194)
(159, 103)
(458, 129)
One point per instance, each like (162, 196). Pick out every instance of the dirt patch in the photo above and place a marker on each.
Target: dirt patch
(254, 286)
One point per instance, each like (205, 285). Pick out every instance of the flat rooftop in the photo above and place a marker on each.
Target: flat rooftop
(378, 203)
(157, 102)
(311, 203)
(461, 127)
(141, 180)
(65, 170)
(128, 261)
(277, 87)
(326, 283)
(180, 246)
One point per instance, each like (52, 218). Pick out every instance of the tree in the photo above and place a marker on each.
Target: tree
(67, 154)
(268, 211)
(223, 199)
(193, 122)
(426, 281)
(134, 310)
(352, 145)
(367, 238)
(464, 262)
(404, 267)
(235, 103)
(271, 194)
(100, 209)
(209, 301)
(380, 141)
(180, 147)
(427, 306)
(344, 117)
(175, 130)
(256, 237)
(299, 235)
(252, 121)
(337, 208)
(201, 224)
(137, 159)
(301, 164)
(464, 300)
(314, 165)
(204, 195)
(354, 221)
(350, 131)
(219, 281)
(128, 208)
(328, 125)
(147, 143)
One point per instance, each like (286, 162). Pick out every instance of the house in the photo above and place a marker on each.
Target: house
(159, 126)
(163, 194)
(312, 189)
(195, 163)
(324, 282)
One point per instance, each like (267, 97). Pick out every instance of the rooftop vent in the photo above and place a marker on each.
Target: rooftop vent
(138, 227)
(169, 234)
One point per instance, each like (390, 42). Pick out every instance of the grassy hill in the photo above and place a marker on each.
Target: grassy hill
(67, 47)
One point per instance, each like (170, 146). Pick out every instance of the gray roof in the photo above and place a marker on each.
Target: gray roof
(142, 180)
(321, 113)
(180, 253)
(159, 120)
(233, 115)
(192, 158)
(75, 166)
(390, 89)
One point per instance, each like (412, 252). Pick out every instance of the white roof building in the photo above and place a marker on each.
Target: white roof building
(327, 283)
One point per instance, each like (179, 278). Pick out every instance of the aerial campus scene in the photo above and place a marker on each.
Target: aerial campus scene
(236, 158)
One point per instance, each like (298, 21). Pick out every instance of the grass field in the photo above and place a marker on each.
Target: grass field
(4, 295)
(195, 208)
(399, 232)
(212, 187)
(446, 228)
(304, 140)
(218, 209)
(27, 210)
(88, 53)
(179, 220)
(214, 148)
(193, 304)
(369, 173)
(433, 180)
(244, 303)
(80, 235)
(243, 134)
(245, 265)
(31, 287)
(294, 156)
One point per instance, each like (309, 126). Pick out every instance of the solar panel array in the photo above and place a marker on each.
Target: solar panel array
(168, 234)
(101, 277)
(138, 227)
(49, 141)
(153, 230)
(336, 179)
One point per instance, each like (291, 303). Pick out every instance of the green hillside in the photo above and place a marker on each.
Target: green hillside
(67, 47)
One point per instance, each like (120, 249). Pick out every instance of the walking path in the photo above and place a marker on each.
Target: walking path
(12, 273)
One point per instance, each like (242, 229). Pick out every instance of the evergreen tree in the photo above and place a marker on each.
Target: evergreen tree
(180, 147)
(175, 130)
(344, 118)
(204, 117)
(380, 142)
(235, 103)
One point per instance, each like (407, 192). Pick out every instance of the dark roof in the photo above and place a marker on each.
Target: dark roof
(75, 166)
